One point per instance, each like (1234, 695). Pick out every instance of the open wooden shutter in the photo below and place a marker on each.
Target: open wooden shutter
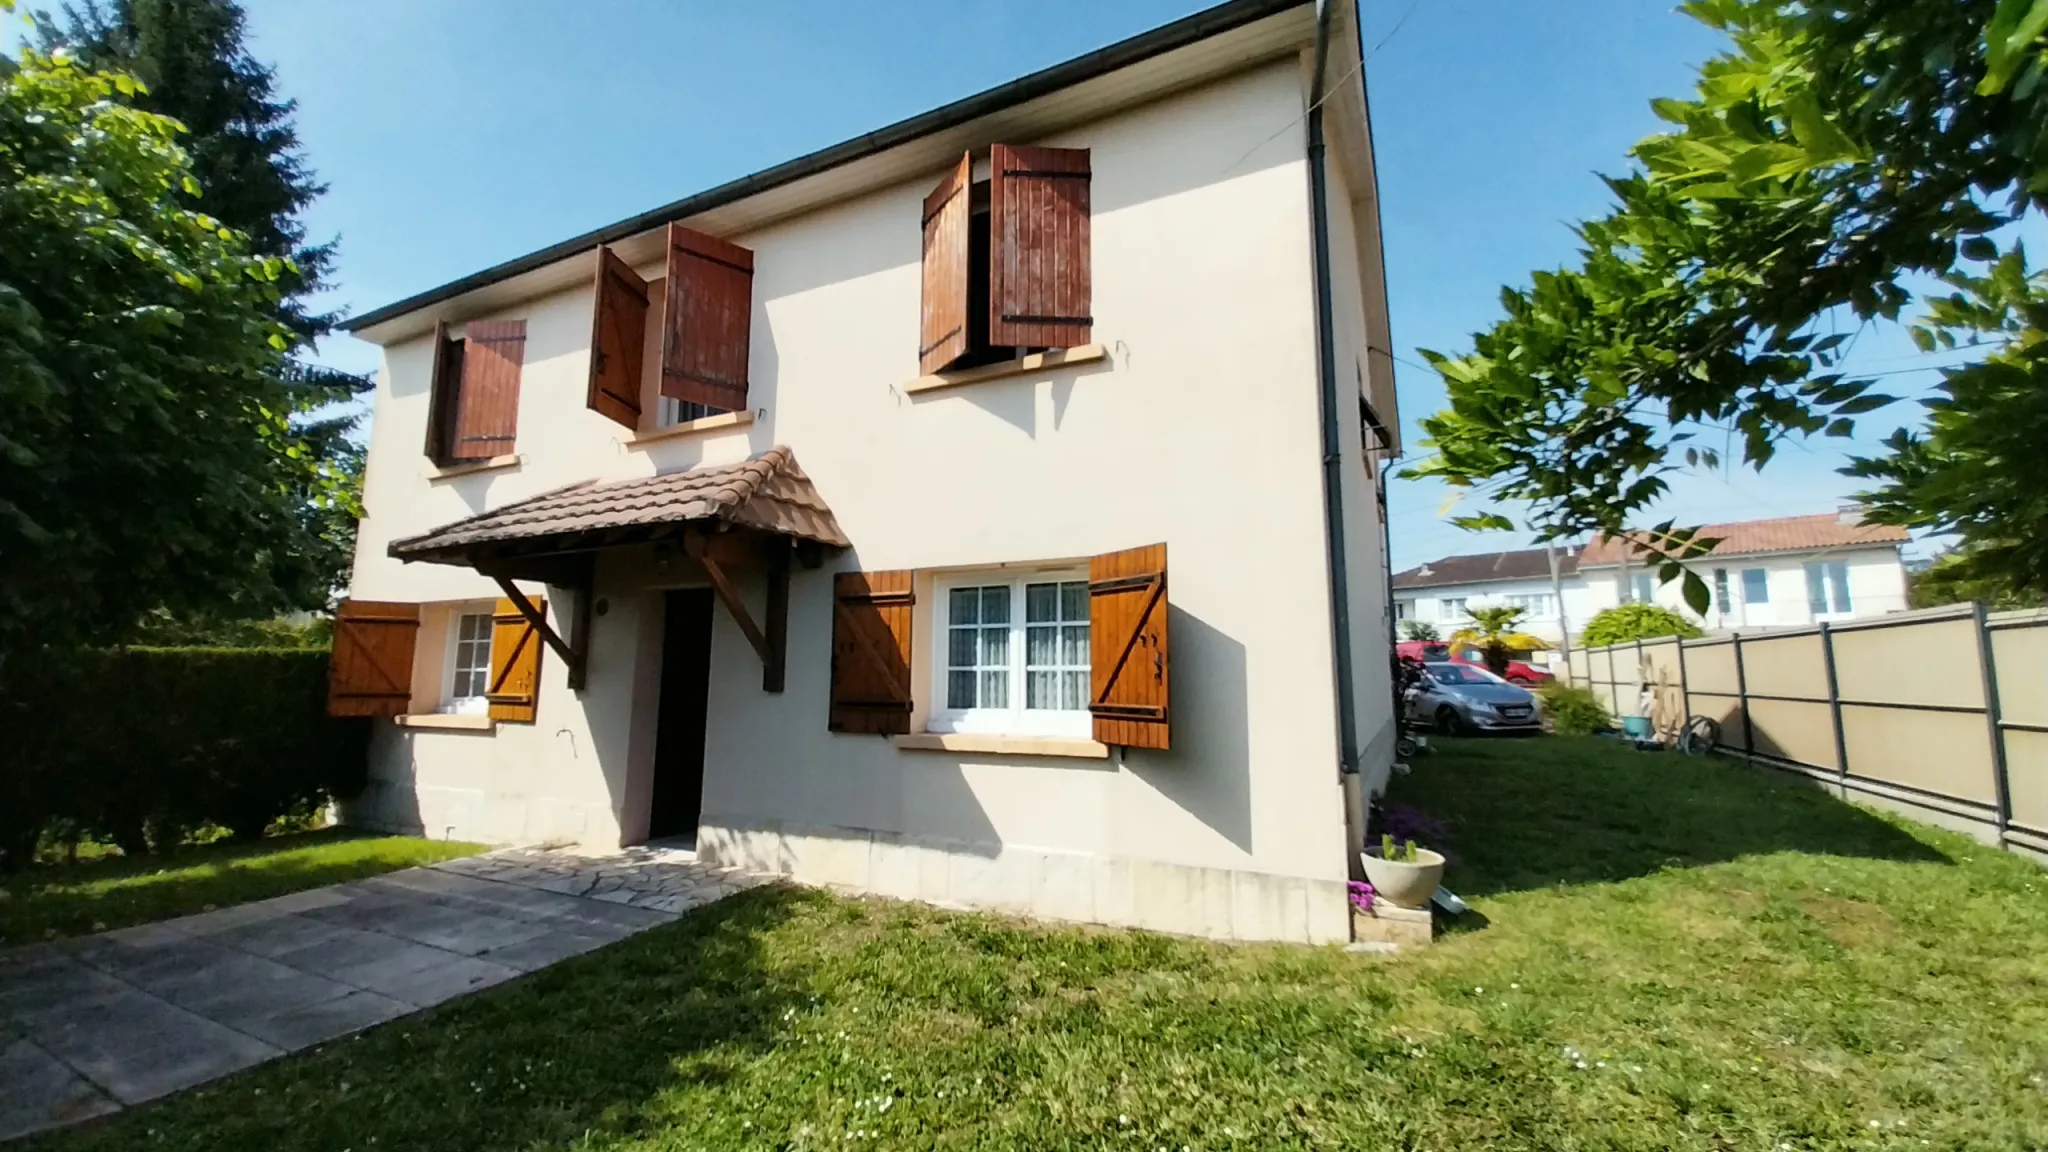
(1039, 280)
(947, 213)
(710, 314)
(617, 338)
(514, 691)
(871, 652)
(487, 412)
(370, 671)
(442, 394)
(1127, 647)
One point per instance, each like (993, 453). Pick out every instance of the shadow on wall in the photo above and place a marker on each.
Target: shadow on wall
(1209, 772)
(1536, 813)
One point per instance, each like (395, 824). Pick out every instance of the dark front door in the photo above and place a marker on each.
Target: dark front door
(679, 739)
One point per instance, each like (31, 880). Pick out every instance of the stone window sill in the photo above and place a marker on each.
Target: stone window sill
(688, 427)
(1036, 362)
(1002, 745)
(472, 467)
(447, 723)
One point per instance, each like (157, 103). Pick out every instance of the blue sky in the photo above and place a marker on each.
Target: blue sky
(458, 133)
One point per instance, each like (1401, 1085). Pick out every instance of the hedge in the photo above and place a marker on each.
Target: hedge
(147, 745)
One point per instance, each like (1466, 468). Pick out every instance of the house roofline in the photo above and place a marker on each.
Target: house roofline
(1144, 46)
(1818, 549)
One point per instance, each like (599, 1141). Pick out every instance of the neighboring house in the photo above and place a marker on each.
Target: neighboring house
(1781, 573)
(1786, 572)
(1058, 362)
(1440, 591)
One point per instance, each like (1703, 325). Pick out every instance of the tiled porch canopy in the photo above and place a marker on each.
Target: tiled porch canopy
(756, 513)
(768, 493)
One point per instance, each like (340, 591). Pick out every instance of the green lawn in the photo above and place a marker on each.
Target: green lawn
(54, 900)
(1673, 954)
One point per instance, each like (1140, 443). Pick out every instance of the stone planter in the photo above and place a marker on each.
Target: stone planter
(1400, 883)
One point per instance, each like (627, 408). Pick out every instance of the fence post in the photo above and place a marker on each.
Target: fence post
(1742, 700)
(1684, 692)
(1994, 728)
(1827, 651)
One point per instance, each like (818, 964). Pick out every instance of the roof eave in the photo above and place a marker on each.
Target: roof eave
(1159, 41)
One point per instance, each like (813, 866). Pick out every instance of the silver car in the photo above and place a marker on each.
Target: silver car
(1458, 698)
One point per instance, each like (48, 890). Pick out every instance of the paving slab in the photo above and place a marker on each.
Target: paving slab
(92, 1025)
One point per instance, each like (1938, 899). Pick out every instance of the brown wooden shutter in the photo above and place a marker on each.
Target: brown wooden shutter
(487, 412)
(710, 314)
(443, 393)
(1127, 647)
(370, 670)
(947, 213)
(1038, 247)
(617, 340)
(514, 691)
(871, 689)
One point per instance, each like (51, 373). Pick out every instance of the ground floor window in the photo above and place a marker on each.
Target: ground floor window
(1827, 586)
(1012, 655)
(469, 662)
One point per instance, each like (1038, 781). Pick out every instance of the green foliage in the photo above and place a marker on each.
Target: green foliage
(1403, 853)
(1492, 626)
(1951, 579)
(161, 630)
(145, 745)
(192, 65)
(147, 459)
(1421, 630)
(1626, 622)
(1834, 152)
(1980, 469)
(1573, 710)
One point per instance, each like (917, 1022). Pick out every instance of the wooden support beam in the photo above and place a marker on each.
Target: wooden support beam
(539, 620)
(775, 660)
(722, 586)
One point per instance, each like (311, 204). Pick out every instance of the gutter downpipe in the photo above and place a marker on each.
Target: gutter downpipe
(1326, 371)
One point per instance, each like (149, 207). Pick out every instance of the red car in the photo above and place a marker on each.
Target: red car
(1436, 651)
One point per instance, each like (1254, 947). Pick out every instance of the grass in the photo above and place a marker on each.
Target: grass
(1674, 954)
(49, 901)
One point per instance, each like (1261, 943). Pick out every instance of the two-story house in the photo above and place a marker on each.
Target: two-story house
(980, 511)
(1786, 572)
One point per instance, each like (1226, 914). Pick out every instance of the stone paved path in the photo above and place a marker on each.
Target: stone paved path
(93, 1025)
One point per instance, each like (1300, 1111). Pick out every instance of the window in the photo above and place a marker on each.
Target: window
(473, 406)
(1404, 609)
(1756, 586)
(1006, 260)
(1827, 586)
(1721, 600)
(671, 412)
(469, 662)
(1643, 588)
(1535, 605)
(1453, 609)
(1013, 656)
(696, 342)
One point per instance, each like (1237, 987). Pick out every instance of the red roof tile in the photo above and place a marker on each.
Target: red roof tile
(1749, 537)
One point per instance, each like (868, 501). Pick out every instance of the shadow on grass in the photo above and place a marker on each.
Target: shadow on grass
(1535, 813)
(117, 891)
(593, 1050)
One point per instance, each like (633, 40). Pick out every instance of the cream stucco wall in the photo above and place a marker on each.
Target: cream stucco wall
(1201, 430)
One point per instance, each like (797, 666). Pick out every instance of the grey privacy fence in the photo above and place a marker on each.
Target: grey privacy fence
(1941, 713)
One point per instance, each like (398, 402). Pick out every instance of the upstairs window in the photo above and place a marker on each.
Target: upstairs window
(1721, 601)
(1643, 588)
(1006, 261)
(704, 331)
(1756, 586)
(473, 412)
(1827, 586)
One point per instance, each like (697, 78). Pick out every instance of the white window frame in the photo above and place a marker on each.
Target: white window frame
(451, 704)
(1016, 719)
(1763, 581)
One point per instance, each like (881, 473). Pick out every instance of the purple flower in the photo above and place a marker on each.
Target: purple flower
(1406, 822)
(1361, 895)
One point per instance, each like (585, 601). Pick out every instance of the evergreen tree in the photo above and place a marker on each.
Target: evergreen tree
(253, 177)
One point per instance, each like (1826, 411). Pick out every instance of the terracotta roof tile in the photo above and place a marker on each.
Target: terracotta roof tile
(1785, 534)
(767, 492)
